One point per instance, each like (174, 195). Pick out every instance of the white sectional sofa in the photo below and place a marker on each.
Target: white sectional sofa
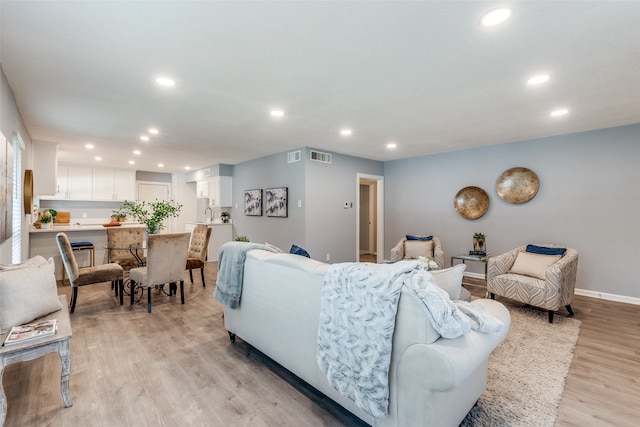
(432, 381)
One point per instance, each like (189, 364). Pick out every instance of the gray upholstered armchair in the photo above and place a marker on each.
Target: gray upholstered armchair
(548, 285)
(411, 249)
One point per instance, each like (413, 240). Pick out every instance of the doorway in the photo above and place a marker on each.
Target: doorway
(152, 191)
(370, 218)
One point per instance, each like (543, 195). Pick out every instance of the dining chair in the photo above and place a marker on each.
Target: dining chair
(166, 258)
(81, 276)
(198, 247)
(128, 237)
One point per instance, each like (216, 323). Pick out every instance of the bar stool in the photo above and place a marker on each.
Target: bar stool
(82, 246)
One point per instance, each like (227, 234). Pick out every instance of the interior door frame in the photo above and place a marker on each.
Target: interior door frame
(379, 249)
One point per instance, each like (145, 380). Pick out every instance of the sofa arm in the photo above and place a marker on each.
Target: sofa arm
(501, 264)
(397, 252)
(561, 277)
(446, 363)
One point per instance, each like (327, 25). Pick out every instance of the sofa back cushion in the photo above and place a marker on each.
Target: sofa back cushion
(450, 279)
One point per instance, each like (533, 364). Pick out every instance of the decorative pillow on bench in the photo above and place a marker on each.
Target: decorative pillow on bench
(27, 291)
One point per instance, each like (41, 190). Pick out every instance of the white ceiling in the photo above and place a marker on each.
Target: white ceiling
(423, 74)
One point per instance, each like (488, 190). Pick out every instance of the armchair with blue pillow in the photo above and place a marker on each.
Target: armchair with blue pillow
(543, 276)
(414, 245)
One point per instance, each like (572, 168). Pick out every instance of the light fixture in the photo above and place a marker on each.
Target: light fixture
(559, 112)
(277, 113)
(131, 162)
(187, 168)
(165, 81)
(144, 138)
(345, 132)
(538, 79)
(495, 17)
(89, 146)
(391, 145)
(160, 165)
(153, 131)
(137, 152)
(98, 158)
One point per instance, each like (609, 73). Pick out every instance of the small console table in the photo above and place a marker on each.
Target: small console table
(473, 258)
(31, 350)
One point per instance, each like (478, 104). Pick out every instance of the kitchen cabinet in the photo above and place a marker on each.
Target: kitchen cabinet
(220, 193)
(113, 184)
(45, 166)
(76, 182)
(202, 189)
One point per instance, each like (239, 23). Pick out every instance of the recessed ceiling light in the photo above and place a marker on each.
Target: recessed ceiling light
(559, 112)
(538, 79)
(277, 113)
(153, 131)
(160, 165)
(131, 162)
(137, 152)
(89, 146)
(495, 17)
(188, 168)
(144, 138)
(165, 81)
(391, 145)
(98, 158)
(345, 132)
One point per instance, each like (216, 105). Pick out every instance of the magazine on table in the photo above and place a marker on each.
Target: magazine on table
(32, 331)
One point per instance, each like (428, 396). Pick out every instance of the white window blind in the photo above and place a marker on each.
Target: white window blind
(16, 237)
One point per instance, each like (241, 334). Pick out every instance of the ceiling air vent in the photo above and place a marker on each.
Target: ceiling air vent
(319, 156)
(206, 172)
(294, 156)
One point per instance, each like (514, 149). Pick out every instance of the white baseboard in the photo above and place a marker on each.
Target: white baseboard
(586, 293)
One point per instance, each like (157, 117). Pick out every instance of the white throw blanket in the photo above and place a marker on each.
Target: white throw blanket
(231, 271)
(357, 321)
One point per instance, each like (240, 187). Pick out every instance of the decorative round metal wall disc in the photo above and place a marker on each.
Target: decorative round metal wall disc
(471, 202)
(517, 185)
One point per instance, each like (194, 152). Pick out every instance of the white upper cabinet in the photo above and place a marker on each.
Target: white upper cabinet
(113, 184)
(85, 183)
(45, 168)
(202, 189)
(220, 191)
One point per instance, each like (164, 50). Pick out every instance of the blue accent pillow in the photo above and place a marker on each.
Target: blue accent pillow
(297, 250)
(543, 250)
(421, 238)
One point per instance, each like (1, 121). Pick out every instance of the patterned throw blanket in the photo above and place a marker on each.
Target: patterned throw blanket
(357, 321)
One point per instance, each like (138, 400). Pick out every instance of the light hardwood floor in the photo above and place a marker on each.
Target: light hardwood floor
(176, 367)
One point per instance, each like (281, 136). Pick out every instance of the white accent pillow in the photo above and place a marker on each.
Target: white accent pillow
(450, 279)
(415, 248)
(533, 265)
(28, 293)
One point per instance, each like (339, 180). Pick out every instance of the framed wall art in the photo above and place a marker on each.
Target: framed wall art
(253, 202)
(276, 202)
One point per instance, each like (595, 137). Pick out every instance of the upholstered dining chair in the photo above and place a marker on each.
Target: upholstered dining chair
(166, 258)
(412, 246)
(543, 276)
(128, 237)
(81, 276)
(198, 246)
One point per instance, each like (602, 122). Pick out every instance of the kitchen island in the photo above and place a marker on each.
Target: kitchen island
(43, 242)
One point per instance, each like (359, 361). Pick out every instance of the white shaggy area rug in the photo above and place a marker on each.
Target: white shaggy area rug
(527, 372)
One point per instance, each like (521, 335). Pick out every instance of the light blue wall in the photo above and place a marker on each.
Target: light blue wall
(589, 199)
(268, 172)
(321, 225)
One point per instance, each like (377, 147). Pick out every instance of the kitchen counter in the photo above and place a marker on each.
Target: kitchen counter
(221, 233)
(75, 227)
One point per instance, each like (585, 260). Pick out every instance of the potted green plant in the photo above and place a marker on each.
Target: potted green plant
(478, 242)
(224, 215)
(53, 213)
(119, 214)
(242, 239)
(152, 214)
(45, 219)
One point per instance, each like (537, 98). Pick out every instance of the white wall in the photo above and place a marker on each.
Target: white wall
(589, 199)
